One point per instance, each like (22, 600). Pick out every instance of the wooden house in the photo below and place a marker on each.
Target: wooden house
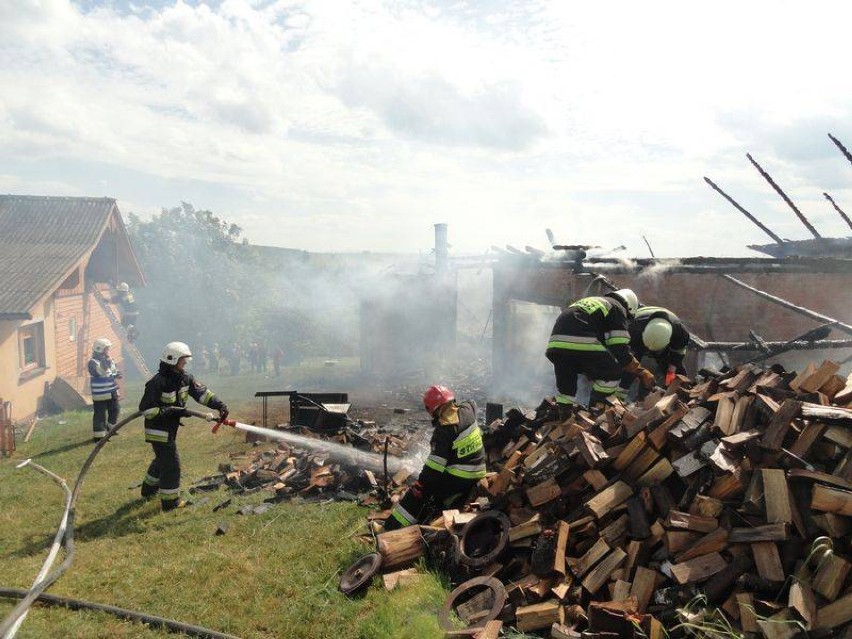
(56, 254)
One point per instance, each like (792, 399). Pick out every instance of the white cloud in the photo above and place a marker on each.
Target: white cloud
(356, 125)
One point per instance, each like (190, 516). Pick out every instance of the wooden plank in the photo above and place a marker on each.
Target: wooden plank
(643, 586)
(748, 618)
(801, 599)
(609, 498)
(600, 574)
(724, 413)
(621, 590)
(596, 479)
(715, 541)
(490, 631)
(656, 473)
(585, 563)
(776, 496)
(591, 449)
(562, 533)
(819, 377)
(526, 529)
(698, 569)
(540, 615)
(770, 532)
(773, 438)
(629, 452)
(779, 626)
(615, 531)
(830, 576)
(640, 527)
(831, 500)
(544, 492)
(808, 437)
(682, 520)
(642, 463)
(835, 614)
(657, 437)
(768, 561)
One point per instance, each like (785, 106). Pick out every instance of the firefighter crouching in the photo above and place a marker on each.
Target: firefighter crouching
(657, 332)
(455, 464)
(163, 404)
(102, 380)
(591, 338)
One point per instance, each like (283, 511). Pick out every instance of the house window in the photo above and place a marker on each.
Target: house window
(72, 329)
(31, 346)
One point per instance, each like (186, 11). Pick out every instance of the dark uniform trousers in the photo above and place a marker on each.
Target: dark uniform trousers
(599, 366)
(104, 415)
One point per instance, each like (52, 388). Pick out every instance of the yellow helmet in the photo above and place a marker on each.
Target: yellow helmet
(657, 334)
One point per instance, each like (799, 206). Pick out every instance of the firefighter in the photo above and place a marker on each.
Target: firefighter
(455, 463)
(163, 404)
(657, 332)
(102, 380)
(129, 312)
(591, 337)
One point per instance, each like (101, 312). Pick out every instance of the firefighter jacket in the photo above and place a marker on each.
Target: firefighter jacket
(456, 446)
(102, 376)
(171, 388)
(675, 352)
(593, 324)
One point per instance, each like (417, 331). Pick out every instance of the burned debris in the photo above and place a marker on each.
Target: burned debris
(722, 501)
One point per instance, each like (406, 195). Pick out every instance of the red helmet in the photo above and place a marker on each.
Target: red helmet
(435, 397)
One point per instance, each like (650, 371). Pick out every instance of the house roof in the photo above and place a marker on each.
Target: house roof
(41, 240)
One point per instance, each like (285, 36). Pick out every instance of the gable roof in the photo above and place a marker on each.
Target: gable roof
(41, 240)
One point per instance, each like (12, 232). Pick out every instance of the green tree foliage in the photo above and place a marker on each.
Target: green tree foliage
(203, 278)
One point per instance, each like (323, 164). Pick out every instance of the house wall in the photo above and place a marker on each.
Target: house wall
(26, 393)
(712, 308)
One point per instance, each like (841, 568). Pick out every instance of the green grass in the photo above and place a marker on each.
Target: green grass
(271, 575)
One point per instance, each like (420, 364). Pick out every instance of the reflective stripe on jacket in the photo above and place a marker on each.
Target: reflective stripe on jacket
(171, 388)
(593, 324)
(456, 446)
(102, 384)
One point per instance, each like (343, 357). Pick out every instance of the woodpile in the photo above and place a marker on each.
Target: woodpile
(723, 502)
(289, 470)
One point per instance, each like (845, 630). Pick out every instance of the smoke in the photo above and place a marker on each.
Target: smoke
(658, 269)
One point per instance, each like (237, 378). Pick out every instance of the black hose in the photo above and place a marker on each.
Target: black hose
(37, 589)
(122, 613)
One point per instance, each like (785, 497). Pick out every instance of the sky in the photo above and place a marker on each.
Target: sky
(350, 126)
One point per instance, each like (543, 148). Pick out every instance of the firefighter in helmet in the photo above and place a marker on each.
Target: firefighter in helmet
(590, 337)
(163, 404)
(658, 333)
(455, 463)
(102, 382)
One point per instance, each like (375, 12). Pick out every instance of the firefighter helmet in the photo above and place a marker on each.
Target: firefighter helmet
(174, 351)
(628, 298)
(657, 334)
(123, 287)
(435, 397)
(101, 344)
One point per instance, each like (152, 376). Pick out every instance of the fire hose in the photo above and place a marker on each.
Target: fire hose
(10, 624)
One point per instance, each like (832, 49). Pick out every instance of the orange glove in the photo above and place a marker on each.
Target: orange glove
(671, 374)
(646, 378)
(632, 366)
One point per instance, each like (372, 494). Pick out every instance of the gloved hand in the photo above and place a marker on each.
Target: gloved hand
(646, 378)
(223, 412)
(671, 374)
(632, 366)
(174, 411)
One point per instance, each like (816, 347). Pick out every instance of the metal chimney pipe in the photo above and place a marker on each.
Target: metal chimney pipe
(442, 252)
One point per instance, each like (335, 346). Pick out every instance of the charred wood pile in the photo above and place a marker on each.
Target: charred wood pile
(720, 505)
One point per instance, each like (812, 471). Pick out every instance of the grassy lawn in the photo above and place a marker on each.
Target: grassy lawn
(271, 575)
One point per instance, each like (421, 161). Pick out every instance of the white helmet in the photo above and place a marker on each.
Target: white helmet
(123, 287)
(101, 344)
(174, 351)
(629, 298)
(657, 334)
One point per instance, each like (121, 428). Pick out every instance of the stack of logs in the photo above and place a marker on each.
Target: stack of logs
(288, 471)
(720, 503)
